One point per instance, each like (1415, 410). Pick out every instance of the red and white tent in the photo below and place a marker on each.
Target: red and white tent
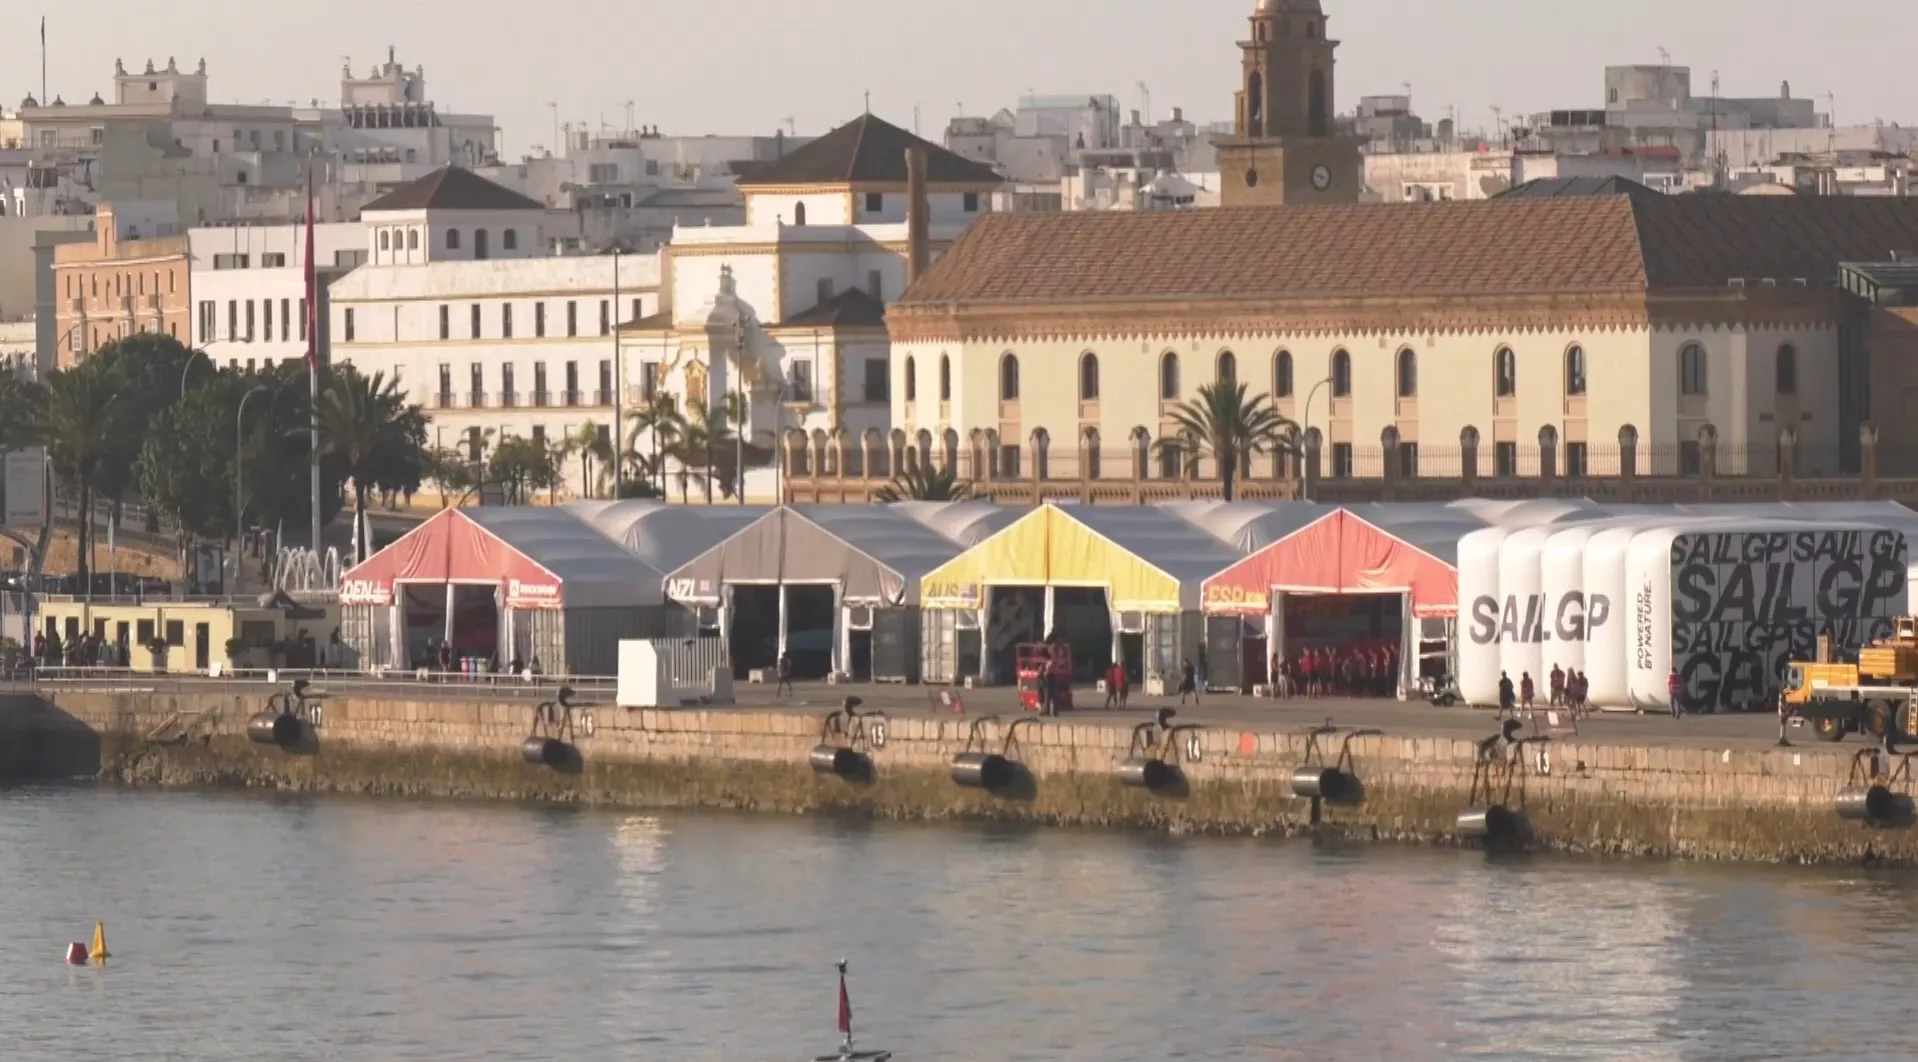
(1365, 549)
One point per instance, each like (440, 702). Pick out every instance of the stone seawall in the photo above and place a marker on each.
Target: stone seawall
(1744, 804)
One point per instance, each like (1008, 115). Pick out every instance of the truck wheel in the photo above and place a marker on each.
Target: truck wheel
(1829, 729)
(1878, 718)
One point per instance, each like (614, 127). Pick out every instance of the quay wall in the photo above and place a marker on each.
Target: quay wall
(1737, 804)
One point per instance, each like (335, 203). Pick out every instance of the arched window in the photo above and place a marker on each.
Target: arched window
(482, 248)
(1408, 373)
(1341, 374)
(799, 215)
(945, 378)
(412, 239)
(1169, 377)
(1691, 370)
(1089, 378)
(1318, 116)
(1228, 372)
(386, 239)
(452, 239)
(1787, 371)
(1255, 106)
(1009, 378)
(1282, 375)
(912, 382)
(1575, 370)
(509, 240)
(1311, 30)
(1505, 371)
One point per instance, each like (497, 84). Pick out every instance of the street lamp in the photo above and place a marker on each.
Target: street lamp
(1305, 429)
(239, 475)
(192, 352)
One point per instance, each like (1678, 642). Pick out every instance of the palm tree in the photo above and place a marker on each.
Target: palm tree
(923, 483)
(19, 410)
(659, 422)
(366, 423)
(1231, 429)
(79, 426)
(592, 444)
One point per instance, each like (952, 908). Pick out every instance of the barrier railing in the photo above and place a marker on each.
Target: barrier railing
(337, 683)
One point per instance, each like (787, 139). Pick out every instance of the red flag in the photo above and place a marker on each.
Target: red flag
(845, 1006)
(312, 295)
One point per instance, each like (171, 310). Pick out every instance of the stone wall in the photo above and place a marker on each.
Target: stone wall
(1749, 804)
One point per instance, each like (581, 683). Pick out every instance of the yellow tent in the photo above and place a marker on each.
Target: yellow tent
(1146, 559)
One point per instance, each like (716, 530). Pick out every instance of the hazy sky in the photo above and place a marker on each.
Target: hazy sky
(739, 66)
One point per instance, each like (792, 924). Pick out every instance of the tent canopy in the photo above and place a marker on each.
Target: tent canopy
(875, 554)
(967, 523)
(666, 537)
(1147, 559)
(539, 558)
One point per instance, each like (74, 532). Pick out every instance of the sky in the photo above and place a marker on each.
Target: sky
(747, 66)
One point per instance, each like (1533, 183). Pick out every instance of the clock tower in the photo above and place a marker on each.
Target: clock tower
(1284, 150)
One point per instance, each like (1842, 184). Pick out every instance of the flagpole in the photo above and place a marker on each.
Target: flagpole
(312, 367)
(43, 60)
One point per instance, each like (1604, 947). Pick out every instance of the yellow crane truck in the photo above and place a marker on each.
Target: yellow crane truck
(1878, 694)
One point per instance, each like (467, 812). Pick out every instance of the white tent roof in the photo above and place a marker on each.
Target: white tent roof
(1249, 526)
(967, 523)
(1162, 539)
(662, 535)
(595, 571)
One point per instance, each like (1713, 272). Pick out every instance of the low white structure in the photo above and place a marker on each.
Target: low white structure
(249, 287)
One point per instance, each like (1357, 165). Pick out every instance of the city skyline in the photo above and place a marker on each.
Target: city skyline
(1050, 49)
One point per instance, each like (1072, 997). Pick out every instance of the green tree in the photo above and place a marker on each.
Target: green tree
(147, 371)
(276, 451)
(922, 483)
(594, 445)
(1222, 423)
(81, 425)
(367, 424)
(522, 467)
(20, 403)
(185, 464)
(660, 426)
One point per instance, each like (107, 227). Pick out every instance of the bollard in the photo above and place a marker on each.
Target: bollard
(982, 770)
(1140, 773)
(1492, 823)
(1862, 804)
(1328, 783)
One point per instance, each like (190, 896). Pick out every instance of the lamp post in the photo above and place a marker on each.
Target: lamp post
(239, 476)
(1305, 428)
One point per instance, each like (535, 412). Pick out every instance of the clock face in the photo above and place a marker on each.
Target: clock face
(1321, 177)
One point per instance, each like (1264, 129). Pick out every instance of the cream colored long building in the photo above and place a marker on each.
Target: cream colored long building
(1547, 326)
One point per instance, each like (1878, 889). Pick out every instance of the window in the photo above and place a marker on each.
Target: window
(509, 240)
(1577, 460)
(386, 240)
(266, 320)
(1009, 461)
(475, 444)
(971, 203)
(1089, 378)
(572, 319)
(412, 239)
(1408, 460)
(572, 383)
(1169, 377)
(349, 324)
(473, 321)
(540, 397)
(648, 380)
(1171, 459)
(1691, 461)
(1341, 460)
(1341, 374)
(605, 317)
(1408, 373)
(539, 435)
(476, 380)
(876, 285)
(1506, 373)
(481, 247)
(1787, 371)
(945, 378)
(276, 260)
(825, 289)
(1505, 459)
(220, 261)
(232, 319)
(1282, 375)
(1691, 370)
(452, 239)
(507, 397)
(875, 202)
(446, 384)
(303, 316)
(605, 395)
(639, 309)
(506, 320)
(878, 380)
(207, 320)
(799, 215)
(539, 320)
(286, 319)
(801, 381)
(912, 381)
(446, 322)
(1009, 378)
(1575, 371)
(1228, 370)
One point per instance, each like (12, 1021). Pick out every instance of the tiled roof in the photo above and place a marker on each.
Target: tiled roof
(852, 308)
(1554, 245)
(866, 150)
(452, 188)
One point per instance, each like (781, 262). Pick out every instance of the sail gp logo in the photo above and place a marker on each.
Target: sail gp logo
(1535, 618)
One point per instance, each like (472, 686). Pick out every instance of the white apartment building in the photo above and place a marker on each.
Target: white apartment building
(788, 309)
(463, 301)
(249, 287)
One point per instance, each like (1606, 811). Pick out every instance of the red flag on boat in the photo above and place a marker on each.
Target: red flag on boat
(845, 1005)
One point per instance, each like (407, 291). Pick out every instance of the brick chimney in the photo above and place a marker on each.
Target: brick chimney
(918, 209)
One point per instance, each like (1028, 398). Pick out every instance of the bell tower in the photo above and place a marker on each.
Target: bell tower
(1284, 149)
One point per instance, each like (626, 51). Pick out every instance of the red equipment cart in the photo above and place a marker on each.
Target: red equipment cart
(1044, 669)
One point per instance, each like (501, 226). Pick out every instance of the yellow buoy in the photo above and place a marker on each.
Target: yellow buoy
(99, 950)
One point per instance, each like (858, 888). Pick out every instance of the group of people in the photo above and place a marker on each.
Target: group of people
(1568, 690)
(78, 650)
(1364, 670)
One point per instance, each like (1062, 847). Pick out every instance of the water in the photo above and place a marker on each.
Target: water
(249, 928)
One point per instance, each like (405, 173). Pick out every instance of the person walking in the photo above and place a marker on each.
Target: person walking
(1507, 698)
(1558, 687)
(1675, 687)
(1188, 682)
(783, 684)
(1525, 690)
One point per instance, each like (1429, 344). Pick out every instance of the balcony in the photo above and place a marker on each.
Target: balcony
(602, 398)
(476, 400)
(508, 399)
(446, 400)
(572, 398)
(542, 398)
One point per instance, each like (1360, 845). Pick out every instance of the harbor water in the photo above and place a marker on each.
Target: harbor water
(245, 927)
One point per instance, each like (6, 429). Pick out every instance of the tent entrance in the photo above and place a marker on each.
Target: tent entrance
(476, 622)
(752, 633)
(1017, 617)
(1082, 619)
(1364, 634)
(812, 615)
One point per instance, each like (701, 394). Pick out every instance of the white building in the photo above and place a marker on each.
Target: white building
(464, 302)
(249, 287)
(788, 309)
